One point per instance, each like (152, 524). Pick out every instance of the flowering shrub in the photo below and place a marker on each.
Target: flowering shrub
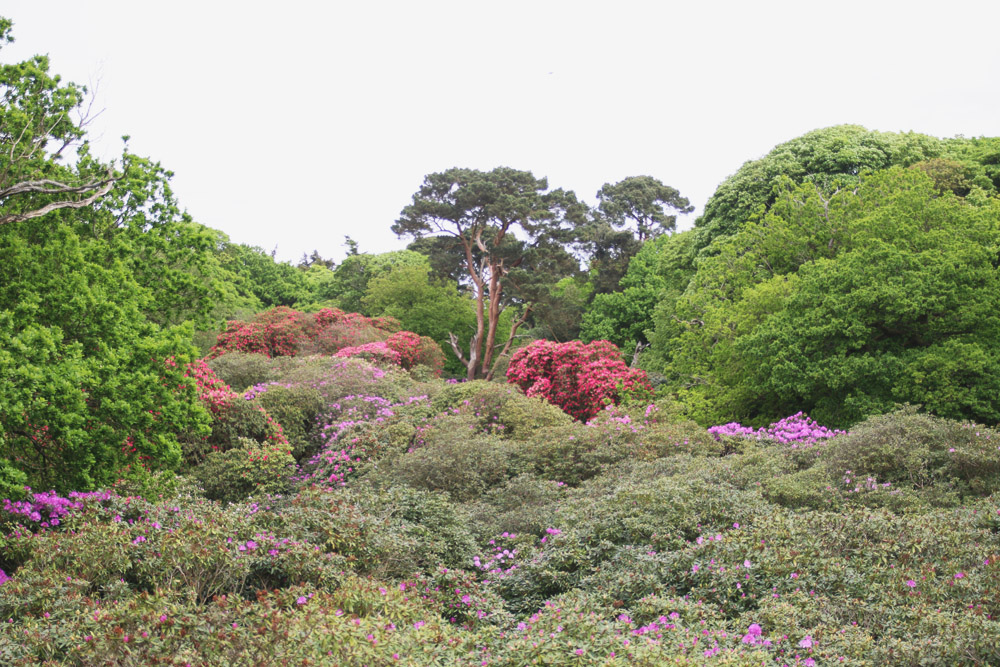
(580, 378)
(285, 332)
(233, 417)
(46, 509)
(796, 430)
(248, 468)
(376, 352)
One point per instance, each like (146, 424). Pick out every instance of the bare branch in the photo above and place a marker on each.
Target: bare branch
(453, 339)
(639, 347)
(95, 190)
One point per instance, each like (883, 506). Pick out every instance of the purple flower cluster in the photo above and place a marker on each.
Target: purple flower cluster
(345, 443)
(798, 430)
(46, 508)
(500, 562)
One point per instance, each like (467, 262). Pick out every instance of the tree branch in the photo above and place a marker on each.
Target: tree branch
(96, 190)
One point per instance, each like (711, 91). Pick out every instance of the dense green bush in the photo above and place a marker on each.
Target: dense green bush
(910, 450)
(413, 530)
(453, 457)
(235, 419)
(241, 370)
(296, 408)
(250, 467)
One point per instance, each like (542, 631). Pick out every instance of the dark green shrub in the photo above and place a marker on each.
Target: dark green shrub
(506, 411)
(236, 418)
(251, 468)
(413, 530)
(524, 504)
(812, 488)
(241, 370)
(296, 408)
(454, 458)
(917, 451)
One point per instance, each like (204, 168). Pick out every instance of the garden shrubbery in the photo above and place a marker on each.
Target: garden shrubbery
(374, 516)
(582, 379)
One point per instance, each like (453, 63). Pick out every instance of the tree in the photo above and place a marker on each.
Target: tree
(273, 283)
(844, 304)
(496, 218)
(656, 277)
(826, 157)
(347, 287)
(643, 200)
(90, 388)
(37, 126)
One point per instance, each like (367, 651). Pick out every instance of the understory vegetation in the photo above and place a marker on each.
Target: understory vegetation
(543, 434)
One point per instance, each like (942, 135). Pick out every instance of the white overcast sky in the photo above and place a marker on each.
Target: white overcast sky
(292, 124)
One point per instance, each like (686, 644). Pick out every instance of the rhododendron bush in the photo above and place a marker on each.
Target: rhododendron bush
(283, 332)
(581, 378)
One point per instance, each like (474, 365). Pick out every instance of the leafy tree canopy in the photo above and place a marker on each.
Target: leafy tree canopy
(91, 387)
(832, 157)
(643, 200)
(844, 304)
(498, 219)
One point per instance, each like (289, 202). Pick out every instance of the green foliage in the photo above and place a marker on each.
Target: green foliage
(347, 287)
(844, 306)
(453, 458)
(87, 384)
(499, 409)
(271, 283)
(236, 419)
(415, 530)
(296, 408)
(428, 308)
(241, 370)
(656, 277)
(505, 222)
(642, 199)
(247, 468)
(827, 157)
(907, 449)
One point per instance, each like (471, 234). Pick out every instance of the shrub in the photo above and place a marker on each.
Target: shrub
(338, 336)
(242, 370)
(912, 450)
(248, 468)
(377, 353)
(500, 409)
(580, 378)
(296, 408)
(454, 459)
(524, 504)
(414, 530)
(273, 333)
(233, 417)
(283, 332)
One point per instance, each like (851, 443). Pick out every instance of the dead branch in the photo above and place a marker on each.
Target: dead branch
(94, 191)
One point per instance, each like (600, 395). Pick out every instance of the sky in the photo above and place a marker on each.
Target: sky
(292, 125)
